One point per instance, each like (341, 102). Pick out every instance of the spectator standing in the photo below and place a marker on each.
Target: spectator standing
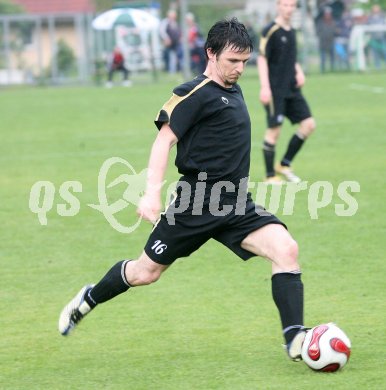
(196, 45)
(117, 64)
(171, 37)
(377, 43)
(326, 30)
(344, 27)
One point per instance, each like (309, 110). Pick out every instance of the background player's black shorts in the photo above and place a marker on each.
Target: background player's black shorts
(292, 106)
(168, 241)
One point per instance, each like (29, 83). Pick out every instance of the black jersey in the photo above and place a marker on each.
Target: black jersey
(278, 45)
(213, 128)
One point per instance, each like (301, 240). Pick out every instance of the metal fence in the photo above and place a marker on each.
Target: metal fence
(54, 48)
(64, 48)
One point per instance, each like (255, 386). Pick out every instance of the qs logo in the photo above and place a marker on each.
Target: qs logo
(135, 185)
(42, 195)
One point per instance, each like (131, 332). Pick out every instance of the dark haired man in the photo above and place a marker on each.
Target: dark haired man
(208, 121)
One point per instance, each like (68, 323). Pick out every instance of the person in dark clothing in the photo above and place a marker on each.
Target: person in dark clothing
(170, 33)
(281, 79)
(207, 119)
(326, 30)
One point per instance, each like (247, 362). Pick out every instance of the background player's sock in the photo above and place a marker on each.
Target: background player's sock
(294, 146)
(287, 292)
(111, 285)
(269, 158)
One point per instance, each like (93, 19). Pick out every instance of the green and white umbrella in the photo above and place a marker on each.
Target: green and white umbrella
(130, 17)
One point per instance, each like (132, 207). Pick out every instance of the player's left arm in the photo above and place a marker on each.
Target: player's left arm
(299, 74)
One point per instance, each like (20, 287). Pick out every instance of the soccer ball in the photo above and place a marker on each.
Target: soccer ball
(326, 348)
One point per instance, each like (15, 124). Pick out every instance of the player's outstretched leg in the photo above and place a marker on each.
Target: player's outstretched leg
(111, 285)
(142, 271)
(74, 311)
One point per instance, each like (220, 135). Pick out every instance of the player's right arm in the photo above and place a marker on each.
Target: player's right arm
(299, 75)
(265, 87)
(150, 204)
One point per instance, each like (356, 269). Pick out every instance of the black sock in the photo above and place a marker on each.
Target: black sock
(294, 146)
(111, 285)
(269, 158)
(287, 292)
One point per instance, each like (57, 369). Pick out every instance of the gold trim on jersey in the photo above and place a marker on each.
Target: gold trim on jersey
(264, 40)
(171, 104)
(173, 198)
(271, 107)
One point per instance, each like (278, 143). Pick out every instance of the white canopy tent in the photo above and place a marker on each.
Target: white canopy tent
(135, 31)
(129, 17)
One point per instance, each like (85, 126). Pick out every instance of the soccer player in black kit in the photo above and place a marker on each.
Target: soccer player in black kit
(281, 78)
(208, 121)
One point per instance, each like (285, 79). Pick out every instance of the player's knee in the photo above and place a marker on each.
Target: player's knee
(293, 251)
(138, 274)
(288, 256)
(308, 127)
(312, 125)
(147, 277)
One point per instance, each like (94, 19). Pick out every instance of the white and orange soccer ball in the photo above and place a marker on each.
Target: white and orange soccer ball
(326, 348)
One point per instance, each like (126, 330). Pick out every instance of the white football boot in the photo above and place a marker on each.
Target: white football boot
(74, 311)
(287, 173)
(294, 348)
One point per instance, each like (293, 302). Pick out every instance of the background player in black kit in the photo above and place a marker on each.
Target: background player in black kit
(281, 78)
(208, 121)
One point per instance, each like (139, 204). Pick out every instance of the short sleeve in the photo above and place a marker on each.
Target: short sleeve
(267, 39)
(181, 113)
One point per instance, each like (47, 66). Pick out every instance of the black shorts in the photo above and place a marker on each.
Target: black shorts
(178, 235)
(292, 106)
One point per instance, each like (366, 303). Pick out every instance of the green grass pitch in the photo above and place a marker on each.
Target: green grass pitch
(210, 322)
